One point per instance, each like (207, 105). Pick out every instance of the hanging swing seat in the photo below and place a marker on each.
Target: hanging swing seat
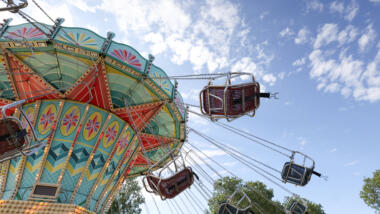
(231, 101)
(12, 137)
(296, 207)
(172, 186)
(298, 174)
(14, 140)
(231, 207)
(226, 208)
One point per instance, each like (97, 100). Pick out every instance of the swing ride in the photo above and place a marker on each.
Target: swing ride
(82, 113)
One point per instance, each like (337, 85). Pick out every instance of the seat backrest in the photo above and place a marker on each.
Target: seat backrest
(295, 173)
(172, 186)
(295, 207)
(226, 208)
(12, 135)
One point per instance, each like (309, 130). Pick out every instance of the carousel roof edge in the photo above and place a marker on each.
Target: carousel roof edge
(92, 41)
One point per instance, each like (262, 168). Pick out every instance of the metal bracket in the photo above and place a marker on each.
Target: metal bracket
(148, 66)
(275, 95)
(174, 92)
(4, 26)
(56, 27)
(106, 45)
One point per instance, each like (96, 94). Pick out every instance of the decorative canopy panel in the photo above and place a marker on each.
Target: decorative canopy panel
(105, 112)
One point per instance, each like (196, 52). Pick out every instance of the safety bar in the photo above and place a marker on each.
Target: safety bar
(14, 8)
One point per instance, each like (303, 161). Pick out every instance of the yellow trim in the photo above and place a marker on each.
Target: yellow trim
(120, 164)
(23, 161)
(118, 184)
(17, 206)
(60, 177)
(48, 144)
(113, 152)
(83, 144)
(89, 159)
(4, 167)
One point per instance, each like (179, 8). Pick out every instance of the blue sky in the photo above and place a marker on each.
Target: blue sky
(322, 56)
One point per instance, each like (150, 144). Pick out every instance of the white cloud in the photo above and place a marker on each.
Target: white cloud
(302, 141)
(245, 64)
(347, 35)
(314, 5)
(158, 45)
(299, 62)
(281, 75)
(349, 76)
(203, 38)
(337, 7)
(333, 150)
(83, 5)
(375, 1)
(367, 38)
(352, 163)
(269, 78)
(192, 95)
(286, 32)
(351, 10)
(93, 28)
(302, 36)
(328, 33)
(348, 12)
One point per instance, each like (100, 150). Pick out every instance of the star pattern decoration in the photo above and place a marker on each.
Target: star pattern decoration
(70, 120)
(92, 125)
(111, 133)
(47, 119)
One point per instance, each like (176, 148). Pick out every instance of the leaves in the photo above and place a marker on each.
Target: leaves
(257, 192)
(371, 191)
(128, 200)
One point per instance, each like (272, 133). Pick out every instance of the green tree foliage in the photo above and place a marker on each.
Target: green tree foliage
(128, 200)
(312, 208)
(259, 194)
(371, 191)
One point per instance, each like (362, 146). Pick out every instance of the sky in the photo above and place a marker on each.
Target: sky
(323, 57)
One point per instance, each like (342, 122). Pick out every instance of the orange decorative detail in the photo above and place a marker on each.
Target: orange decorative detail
(92, 87)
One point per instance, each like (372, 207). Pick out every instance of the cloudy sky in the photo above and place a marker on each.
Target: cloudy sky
(323, 57)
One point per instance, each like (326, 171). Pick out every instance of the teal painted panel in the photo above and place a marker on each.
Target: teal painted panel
(124, 141)
(5, 85)
(180, 105)
(158, 76)
(26, 32)
(63, 137)
(135, 92)
(92, 204)
(127, 55)
(11, 178)
(80, 37)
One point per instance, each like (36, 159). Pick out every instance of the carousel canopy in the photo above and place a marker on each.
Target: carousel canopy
(106, 113)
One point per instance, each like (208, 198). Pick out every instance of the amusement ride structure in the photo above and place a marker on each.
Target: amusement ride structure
(82, 113)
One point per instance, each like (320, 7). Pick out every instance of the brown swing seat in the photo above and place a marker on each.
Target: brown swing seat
(231, 101)
(172, 186)
(12, 136)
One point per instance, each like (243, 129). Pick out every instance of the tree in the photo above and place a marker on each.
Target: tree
(371, 191)
(128, 200)
(260, 195)
(312, 208)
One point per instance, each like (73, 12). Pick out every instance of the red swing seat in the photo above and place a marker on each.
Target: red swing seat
(231, 101)
(172, 186)
(12, 137)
